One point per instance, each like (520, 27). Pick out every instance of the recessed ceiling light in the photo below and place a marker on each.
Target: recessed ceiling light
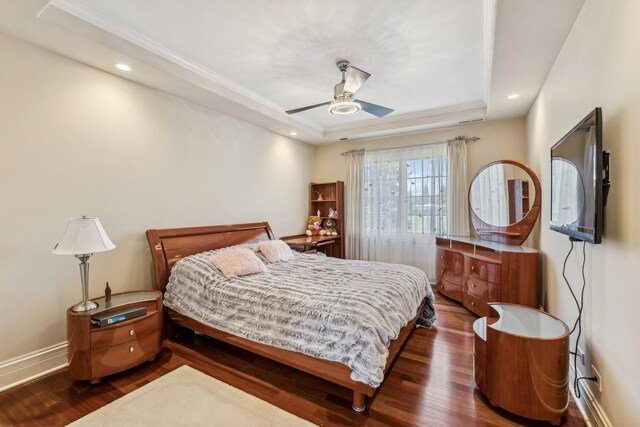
(123, 67)
(513, 96)
(293, 133)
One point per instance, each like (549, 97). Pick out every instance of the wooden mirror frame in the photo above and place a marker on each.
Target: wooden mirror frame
(516, 233)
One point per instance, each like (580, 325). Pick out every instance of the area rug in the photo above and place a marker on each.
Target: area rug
(187, 397)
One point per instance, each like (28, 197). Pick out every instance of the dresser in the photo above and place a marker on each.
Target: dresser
(476, 272)
(95, 352)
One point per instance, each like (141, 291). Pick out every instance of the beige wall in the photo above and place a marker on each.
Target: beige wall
(500, 139)
(78, 141)
(599, 66)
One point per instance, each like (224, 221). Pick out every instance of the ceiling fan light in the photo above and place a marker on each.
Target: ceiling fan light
(344, 108)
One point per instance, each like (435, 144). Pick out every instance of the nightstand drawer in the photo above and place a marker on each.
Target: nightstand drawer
(115, 335)
(109, 360)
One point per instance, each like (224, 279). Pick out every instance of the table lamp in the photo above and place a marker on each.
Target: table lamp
(82, 238)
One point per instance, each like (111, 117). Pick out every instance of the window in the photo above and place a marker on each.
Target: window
(405, 191)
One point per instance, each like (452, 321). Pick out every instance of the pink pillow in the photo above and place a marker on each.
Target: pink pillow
(238, 262)
(275, 250)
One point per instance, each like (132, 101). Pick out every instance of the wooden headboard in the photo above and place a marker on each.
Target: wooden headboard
(171, 244)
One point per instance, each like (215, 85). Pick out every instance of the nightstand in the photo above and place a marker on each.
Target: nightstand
(521, 361)
(95, 352)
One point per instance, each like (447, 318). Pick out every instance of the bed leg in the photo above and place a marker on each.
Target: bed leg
(358, 404)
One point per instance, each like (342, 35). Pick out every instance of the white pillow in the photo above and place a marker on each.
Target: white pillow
(275, 250)
(238, 262)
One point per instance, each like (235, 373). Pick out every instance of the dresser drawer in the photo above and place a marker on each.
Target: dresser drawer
(483, 270)
(132, 331)
(449, 266)
(483, 289)
(475, 304)
(452, 276)
(109, 360)
(453, 260)
(452, 290)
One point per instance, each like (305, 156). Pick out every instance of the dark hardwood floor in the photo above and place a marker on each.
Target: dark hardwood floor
(431, 384)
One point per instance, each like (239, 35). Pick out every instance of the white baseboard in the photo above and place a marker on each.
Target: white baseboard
(589, 406)
(30, 366)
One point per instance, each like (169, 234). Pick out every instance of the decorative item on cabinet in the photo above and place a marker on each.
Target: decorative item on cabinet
(83, 237)
(494, 267)
(107, 293)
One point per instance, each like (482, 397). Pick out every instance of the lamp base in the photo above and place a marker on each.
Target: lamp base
(84, 306)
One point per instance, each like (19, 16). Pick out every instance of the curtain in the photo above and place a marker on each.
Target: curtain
(405, 204)
(489, 195)
(354, 223)
(457, 196)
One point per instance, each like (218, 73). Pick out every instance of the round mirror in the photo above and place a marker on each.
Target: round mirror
(504, 200)
(568, 192)
(501, 194)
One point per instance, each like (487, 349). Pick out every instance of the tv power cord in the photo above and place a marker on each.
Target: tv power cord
(578, 323)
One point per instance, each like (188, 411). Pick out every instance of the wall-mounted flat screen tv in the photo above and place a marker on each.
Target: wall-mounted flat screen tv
(577, 181)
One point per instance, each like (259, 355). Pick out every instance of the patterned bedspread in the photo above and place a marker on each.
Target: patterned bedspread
(329, 308)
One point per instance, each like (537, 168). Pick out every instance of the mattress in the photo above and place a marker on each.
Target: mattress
(329, 308)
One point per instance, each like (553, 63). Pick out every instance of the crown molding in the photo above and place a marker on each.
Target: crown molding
(410, 122)
(214, 91)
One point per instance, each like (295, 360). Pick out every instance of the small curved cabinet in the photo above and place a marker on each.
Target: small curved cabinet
(521, 361)
(95, 352)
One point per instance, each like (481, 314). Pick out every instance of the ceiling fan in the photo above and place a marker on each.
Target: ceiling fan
(343, 103)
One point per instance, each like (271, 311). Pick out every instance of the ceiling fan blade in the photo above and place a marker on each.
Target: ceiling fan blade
(355, 78)
(376, 110)
(297, 110)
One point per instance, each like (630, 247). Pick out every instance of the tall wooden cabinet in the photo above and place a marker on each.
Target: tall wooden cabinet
(324, 197)
(476, 272)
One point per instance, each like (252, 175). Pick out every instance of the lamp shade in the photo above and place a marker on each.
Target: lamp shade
(83, 236)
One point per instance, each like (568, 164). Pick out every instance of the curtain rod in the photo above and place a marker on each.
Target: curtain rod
(457, 138)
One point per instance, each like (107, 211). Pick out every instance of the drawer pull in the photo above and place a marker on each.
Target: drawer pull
(473, 285)
(472, 303)
(131, 332)
(473, 268)
(131, 349)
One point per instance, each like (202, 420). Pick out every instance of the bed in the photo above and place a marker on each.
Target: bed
(170, 246)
